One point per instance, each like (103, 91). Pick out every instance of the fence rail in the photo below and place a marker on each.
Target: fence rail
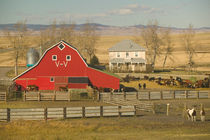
(3, 96)
(65, 112)
(155, 95)
(50, 96)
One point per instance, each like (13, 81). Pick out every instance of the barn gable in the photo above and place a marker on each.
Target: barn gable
(58, 45)
(62, 65)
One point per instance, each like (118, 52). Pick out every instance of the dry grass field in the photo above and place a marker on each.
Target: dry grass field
(201, 58)
(150, 126)
(105, 129)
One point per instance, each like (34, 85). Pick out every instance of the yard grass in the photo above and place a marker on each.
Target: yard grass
(125, 128)
(43, 104)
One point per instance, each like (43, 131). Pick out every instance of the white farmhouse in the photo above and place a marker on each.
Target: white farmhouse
(127, 56)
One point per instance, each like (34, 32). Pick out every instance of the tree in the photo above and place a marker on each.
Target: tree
(85, 40)
(48, 37)
(188, 39)
(168, 46)
(152, 41)
(94, 60)
(18, 41)
(89, 38)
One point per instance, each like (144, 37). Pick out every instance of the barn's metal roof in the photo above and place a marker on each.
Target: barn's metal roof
(126, 46)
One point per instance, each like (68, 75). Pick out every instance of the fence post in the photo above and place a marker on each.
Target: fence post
(45, 114)
(124, 93)
(98, 96)
(38, 96)
(137, 95)
(135, 110)
(161, 95)
(111, 96)
(153, 108)
(184, 110)
(149, 96)
(24, 96)
(186, 94)
(168, 106)
(54, 96)
(5, 96)
(174, 94)
(202, 113)
(64, 113)
(83, 112)
(208, 93)
(198, 94)
(201, 106)
(69, 96)
(101, 111)
(119, 110)
(8, 114)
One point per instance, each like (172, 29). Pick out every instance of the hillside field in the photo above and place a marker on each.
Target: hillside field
(105, 42)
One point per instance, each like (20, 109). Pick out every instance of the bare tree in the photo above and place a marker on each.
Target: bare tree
(189, 43)
(67, 33)
(18, 41)
(48, 37)
(152, 41)
(89, 39)
(84, 40)
(168, 46)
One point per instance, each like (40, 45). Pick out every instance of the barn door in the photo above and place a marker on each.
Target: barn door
(60, 81)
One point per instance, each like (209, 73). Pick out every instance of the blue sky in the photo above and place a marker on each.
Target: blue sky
(173, 13)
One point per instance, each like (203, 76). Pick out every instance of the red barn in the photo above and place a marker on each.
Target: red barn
(62, 65)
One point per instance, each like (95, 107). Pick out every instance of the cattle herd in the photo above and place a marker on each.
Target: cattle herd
(178, 81)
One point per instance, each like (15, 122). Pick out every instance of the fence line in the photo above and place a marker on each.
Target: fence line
(9, 114)
(155, 95)
(65, 112)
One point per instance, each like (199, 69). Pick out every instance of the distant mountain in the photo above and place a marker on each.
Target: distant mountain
(103, 29)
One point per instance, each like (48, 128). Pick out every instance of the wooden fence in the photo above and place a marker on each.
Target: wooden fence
(155, 95)
(66, 112)
(140, 105)
(49, 96)
(3, 96)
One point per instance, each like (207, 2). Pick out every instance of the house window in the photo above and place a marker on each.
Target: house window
(54, 57)
(118, 54)
(127, 54)
(68, 58)
(136, 54)
(51, 79)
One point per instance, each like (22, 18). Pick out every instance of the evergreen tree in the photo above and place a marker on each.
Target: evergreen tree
(94, 60)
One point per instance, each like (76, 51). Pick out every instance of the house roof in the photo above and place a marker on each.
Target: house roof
(123, 60)
(126, 46)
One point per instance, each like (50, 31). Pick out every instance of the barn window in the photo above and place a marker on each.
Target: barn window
(51, 79)
(68, 57)
(54, 57)
(61, 47)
